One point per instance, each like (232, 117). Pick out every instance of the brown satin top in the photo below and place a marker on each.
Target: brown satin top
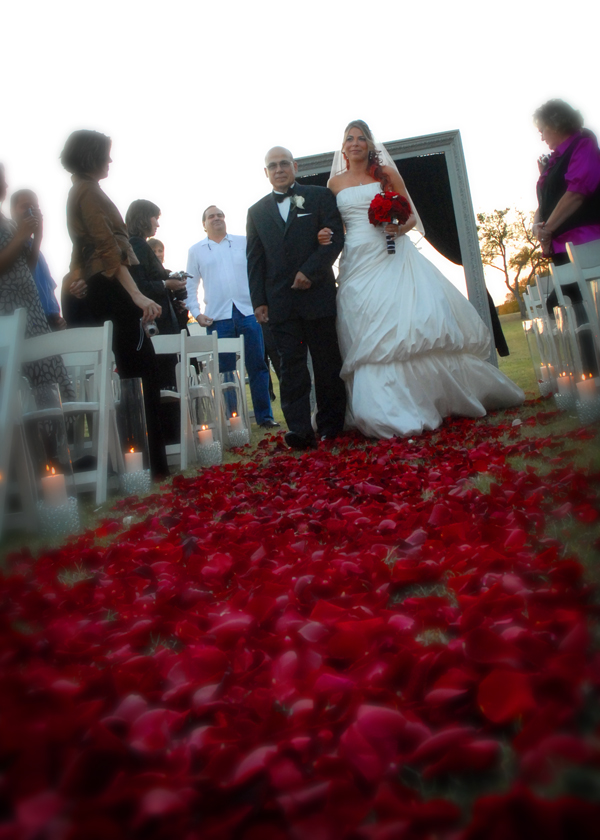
(97, 230)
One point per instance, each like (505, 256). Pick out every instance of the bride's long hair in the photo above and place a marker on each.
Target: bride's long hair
(375, 165)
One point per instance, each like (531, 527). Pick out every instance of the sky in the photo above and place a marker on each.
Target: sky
(193, 95)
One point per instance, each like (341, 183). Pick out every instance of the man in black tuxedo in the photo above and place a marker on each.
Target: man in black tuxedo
(292, 286)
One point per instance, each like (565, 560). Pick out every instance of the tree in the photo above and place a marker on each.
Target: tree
(507, 244)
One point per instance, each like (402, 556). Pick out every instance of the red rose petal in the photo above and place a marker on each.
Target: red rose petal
(505, 695)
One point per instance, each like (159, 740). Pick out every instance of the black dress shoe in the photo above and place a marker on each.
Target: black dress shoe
(269, 424)
(296, 441)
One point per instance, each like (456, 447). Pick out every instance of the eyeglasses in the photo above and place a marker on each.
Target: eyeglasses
(279, 164)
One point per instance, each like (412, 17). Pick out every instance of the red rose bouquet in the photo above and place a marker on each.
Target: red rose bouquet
(389, 208)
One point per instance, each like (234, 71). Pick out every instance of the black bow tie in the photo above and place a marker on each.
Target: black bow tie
(279, 197)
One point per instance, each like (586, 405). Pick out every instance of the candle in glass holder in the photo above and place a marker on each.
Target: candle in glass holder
(54, 488)
(235, 423)
(205, 436)
(587, 389)
(565, 385)
(546, 372)
(134, 461)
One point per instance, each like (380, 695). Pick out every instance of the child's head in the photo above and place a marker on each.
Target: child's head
(158, 248)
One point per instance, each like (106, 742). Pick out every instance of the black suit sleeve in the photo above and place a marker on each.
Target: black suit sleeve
(257, 264)
(323, 258)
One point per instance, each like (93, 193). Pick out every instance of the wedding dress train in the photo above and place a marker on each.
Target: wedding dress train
(414, 348)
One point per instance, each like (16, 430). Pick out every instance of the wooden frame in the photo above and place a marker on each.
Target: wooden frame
(449, 144)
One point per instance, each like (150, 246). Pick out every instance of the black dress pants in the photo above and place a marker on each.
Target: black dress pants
(108, 301)
(292, 339)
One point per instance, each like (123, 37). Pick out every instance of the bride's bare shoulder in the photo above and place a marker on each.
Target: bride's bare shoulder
(336, 183)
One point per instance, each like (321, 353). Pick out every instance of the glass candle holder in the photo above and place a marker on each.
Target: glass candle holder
(58, 521)
(133, 436)
(47, 443)
(542, 356)
(206, 429)
(575, 340)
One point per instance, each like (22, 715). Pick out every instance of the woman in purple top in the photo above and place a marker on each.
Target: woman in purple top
(568, 192)
(569, 185)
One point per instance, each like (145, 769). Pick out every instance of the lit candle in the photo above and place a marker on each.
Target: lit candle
(586, 389)
(547, 372)
(134, 461)
(205, 436)
(235, 423)
(565, 385)
(54, 488)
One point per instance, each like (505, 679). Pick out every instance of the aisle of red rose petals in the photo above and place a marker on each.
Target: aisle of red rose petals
(354, 643)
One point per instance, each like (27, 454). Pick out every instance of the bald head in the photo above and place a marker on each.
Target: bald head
(278, 152)
(280, 168)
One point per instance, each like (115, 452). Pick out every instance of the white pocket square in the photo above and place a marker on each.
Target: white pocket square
(304, 214)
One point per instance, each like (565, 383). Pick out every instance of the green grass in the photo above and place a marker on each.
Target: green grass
(518, 366)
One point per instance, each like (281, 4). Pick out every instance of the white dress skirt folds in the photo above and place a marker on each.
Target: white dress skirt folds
(414, 348)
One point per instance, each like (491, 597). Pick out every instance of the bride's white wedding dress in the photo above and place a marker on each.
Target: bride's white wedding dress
(414, 348)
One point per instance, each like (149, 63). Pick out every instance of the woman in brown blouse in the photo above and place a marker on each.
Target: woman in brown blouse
(101, 257)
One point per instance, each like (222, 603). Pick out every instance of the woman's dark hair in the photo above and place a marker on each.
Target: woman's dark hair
(85, 152)
(375, 166)
(138, 217)
(559, 116)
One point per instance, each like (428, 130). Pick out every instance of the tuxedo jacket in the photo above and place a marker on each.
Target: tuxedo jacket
(277, 250)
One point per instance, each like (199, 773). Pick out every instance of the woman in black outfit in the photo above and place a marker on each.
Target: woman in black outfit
(153, 280)
(102, 257)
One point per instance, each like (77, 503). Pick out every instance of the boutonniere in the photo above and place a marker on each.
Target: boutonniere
(297, 201)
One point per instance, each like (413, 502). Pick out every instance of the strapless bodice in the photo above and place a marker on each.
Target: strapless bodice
(353, 204)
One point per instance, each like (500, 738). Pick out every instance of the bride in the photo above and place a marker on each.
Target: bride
(414, 348)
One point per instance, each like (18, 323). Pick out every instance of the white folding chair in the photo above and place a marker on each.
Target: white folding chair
(585, 333)
(87, 351)
(585, 260)
(237, 384)
(13, 451)
(533, 303)
(204, 385)
(176, 345)
(194, 328)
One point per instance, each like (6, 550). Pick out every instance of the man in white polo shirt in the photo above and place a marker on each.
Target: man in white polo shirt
(218, 276)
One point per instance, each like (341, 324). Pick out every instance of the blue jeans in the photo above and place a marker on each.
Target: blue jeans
(254, 349)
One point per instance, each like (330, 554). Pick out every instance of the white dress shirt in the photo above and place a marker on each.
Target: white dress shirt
(219, 278)
(284, 206)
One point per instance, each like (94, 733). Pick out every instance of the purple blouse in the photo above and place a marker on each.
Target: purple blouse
(582, 176)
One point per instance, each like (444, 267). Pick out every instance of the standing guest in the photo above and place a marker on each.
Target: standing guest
(19, 252)
(25, 203)
(568, 191)
(178, 293)
(151, 278)
(102, 257)
(218, 262)
(568, 188)
(153, 281)
(293, 288)
(159, 249)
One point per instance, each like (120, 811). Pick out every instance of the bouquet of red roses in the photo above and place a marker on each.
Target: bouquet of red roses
(389, 208)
